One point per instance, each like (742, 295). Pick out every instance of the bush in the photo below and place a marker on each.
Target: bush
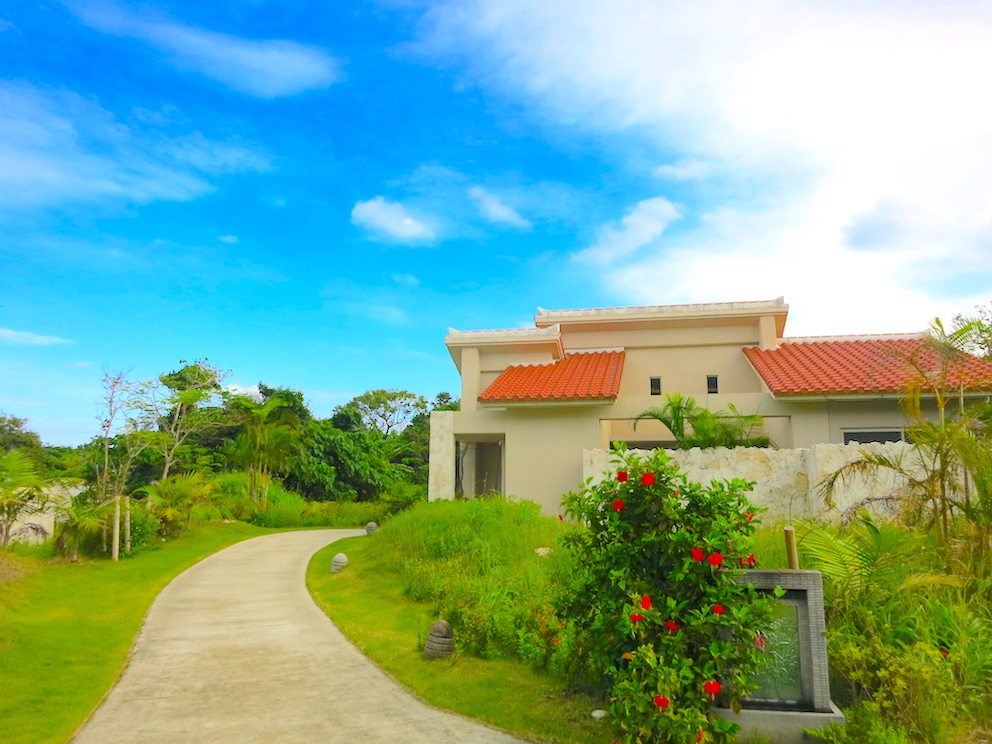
(865, 725)
(476, 561)
(659, 614)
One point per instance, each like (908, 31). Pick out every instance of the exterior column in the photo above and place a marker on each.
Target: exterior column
(767, 336)
(605, 431)
(468, 469)
(441, 475)
(471, 374)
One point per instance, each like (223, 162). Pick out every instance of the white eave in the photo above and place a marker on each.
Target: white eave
(510, 340)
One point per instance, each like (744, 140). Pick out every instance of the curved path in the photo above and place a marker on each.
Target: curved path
(235, 650)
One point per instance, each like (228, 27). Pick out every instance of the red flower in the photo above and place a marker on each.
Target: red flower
(561, 518)
(645, 603)
(698, 554)
(715, 560)
(712, 688)
(622, 476)
(661, 701)
(555, 640)
(751, 560)
(749, 515)
(717, 609)
(699, 736)
(759, 640)
(647, 479)
(672, 626)
(944, 653)
(618, 505)
(636, 618)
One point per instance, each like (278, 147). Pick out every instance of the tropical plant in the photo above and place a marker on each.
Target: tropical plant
(658, 611)
(173, 499)
(267, 442)
(694, 426)
(79, 521)
(22, 496)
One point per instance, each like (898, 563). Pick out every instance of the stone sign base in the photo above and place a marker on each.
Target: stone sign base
(781, 726)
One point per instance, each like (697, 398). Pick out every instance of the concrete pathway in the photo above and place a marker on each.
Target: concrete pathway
(235, 650)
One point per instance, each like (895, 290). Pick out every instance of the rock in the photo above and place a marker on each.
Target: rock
(440, 641)
(338, 562)
(370, 528)
(599, 715)
(543, 552)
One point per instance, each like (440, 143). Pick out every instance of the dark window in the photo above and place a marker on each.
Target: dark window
(879, 435)
(712, 386)
(655, 386)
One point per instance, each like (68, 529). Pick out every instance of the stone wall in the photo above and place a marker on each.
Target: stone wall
(786, 480)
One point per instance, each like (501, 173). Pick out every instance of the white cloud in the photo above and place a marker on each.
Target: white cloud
(59, 148)
(82, 365)
(405, 280)
(229, 239)
(832, 126)
(643, 224)
(266, 68)
(495, 210)
(28, 338)
(686, 169)
(392, 221)
(250, 391)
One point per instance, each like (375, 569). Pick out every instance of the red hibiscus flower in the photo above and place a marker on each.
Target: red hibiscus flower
(759, 640)
(647, 479)
(712, 688)
(555, 641)
(636, 618)
(618, 505)
(751, 560)
(699, 736)
(622, 476)
(661, 701)
(749, 515)
(945, 654)
(717, 609)
(715, 560)
(561, 518)
(698, 554)
(672, 626)
(645, 603)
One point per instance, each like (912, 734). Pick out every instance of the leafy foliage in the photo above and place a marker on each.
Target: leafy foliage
(694, 426)
(658, 610)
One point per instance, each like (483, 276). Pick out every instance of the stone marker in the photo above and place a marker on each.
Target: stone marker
(338, 562)
(370, 528)
(598, 715)
(440, 641)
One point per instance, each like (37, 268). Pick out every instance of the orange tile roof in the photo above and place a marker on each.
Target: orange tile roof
(584, 376)
(854, 366)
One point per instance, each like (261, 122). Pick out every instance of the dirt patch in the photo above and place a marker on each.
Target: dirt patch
(12, 568)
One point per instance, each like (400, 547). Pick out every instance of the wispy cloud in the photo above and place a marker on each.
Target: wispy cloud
(229, 239)
(265, 68)
(818, 118)
(58, 148)
(643, 223)
(380, 303)
(495, 210)
(391, 221)
(405, 280)
(686, 169)
(29, 339)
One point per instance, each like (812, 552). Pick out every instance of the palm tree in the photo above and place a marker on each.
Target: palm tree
(81, 517)
(22, 495)
(267, 443)
(695, 426)
(173, 499)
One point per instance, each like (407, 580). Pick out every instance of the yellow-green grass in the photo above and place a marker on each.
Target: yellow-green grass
(370, 609)
(66, 629)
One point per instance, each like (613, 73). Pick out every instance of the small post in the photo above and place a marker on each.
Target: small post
(790, 547)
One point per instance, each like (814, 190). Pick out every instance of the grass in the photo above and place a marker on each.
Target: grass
(371, 608)
(66, 629)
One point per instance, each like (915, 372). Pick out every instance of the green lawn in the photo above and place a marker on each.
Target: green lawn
(371, 609)
(66, 629)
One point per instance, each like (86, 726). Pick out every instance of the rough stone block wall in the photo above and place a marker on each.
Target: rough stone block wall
(786, 480)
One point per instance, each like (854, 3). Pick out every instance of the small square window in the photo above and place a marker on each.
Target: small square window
(655, 386)
(712, 385)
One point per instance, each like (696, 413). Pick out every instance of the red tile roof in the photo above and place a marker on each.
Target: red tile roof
(585, 376)
(855, 366)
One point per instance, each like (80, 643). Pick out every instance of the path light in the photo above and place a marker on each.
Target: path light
(370, 528)
(440, 641)
(338, 562)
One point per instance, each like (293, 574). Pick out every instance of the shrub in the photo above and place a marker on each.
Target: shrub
(658, 611)
(865, 725)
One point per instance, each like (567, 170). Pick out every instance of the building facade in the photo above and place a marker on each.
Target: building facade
(533, 399)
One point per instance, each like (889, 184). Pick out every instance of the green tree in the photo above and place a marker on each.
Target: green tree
(173, 499)
(387, 411)
(13, 435)
(694, 426)
(266, 444)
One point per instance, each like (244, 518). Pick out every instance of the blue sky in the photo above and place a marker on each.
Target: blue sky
(309, 194)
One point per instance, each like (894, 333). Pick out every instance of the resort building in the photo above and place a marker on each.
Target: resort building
(533, 399)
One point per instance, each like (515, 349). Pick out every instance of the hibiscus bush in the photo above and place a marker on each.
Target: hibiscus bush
(659, 619)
